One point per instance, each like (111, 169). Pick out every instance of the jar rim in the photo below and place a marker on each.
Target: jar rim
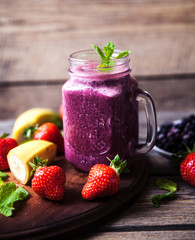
(88, 61)
(83, 53)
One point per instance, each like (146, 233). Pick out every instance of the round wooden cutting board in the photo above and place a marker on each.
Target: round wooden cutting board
(38, 218)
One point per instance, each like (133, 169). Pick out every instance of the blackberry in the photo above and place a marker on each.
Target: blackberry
(173, 137)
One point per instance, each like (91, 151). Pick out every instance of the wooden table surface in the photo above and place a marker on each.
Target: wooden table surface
(36, 38)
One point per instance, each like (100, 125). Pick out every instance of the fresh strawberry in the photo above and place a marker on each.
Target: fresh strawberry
(48, 182)
(6, 144)
(61, 111)
(49, 132)
(104, 180)
(187, 167)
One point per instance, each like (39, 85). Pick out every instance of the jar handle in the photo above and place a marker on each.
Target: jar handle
(150, 112)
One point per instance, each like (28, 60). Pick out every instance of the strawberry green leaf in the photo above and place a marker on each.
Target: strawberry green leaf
(118, 165)
(29, 131)
(58, 122)
(9, 194)
(4, 135)
(181, 155)
(167, 185)
(37, 162)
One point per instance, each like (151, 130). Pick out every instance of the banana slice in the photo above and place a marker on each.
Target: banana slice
(20, 156)
(31, 117)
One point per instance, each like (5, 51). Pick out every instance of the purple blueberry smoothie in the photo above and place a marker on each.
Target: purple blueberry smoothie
(100, 114)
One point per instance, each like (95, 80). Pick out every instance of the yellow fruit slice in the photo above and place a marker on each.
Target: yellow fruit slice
(31, 117)
(20, 156)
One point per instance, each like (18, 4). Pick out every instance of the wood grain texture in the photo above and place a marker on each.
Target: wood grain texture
(174, 219)
(137, 235)
(36, 37)
(39, 218)
(168, 94)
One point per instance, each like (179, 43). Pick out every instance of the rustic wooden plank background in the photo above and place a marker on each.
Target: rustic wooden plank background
(36, 37)
(149, 222)
(168, 94)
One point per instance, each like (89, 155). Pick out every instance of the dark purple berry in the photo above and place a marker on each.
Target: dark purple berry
(173, 137)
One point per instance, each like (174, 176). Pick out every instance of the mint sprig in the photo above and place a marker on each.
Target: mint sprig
(3, 175)
(106, 56)
(9, 194)
(167, 185)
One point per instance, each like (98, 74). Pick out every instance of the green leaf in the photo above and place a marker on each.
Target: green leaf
(106, 57)
(4, 135)
(108, 50)
(58, 122)
(9, 194)
(118, 165)
(167, 185)
(123, 54)
(37, 162)
(106, 65)
(181, 155)
(156, 199)
(28, 132)
(2, 175)
(99, 51)
(1, 182)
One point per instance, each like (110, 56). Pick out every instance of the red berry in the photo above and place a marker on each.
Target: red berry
(187, 169)
(49, 182)
(49, 132)
(6, 144)
(103, 180)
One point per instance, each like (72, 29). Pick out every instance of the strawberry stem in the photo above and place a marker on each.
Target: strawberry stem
(181, 155)
(28, 132)
(4, 135)
(118, 165)
(37, 163)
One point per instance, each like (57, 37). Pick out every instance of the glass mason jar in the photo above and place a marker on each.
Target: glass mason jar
(100, 111)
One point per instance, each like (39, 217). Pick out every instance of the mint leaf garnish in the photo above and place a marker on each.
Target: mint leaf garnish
(123, 54)
(108, 50)
(99, 51)
(167, 185)
(2, 176)
(9, 194)
(106, 56)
